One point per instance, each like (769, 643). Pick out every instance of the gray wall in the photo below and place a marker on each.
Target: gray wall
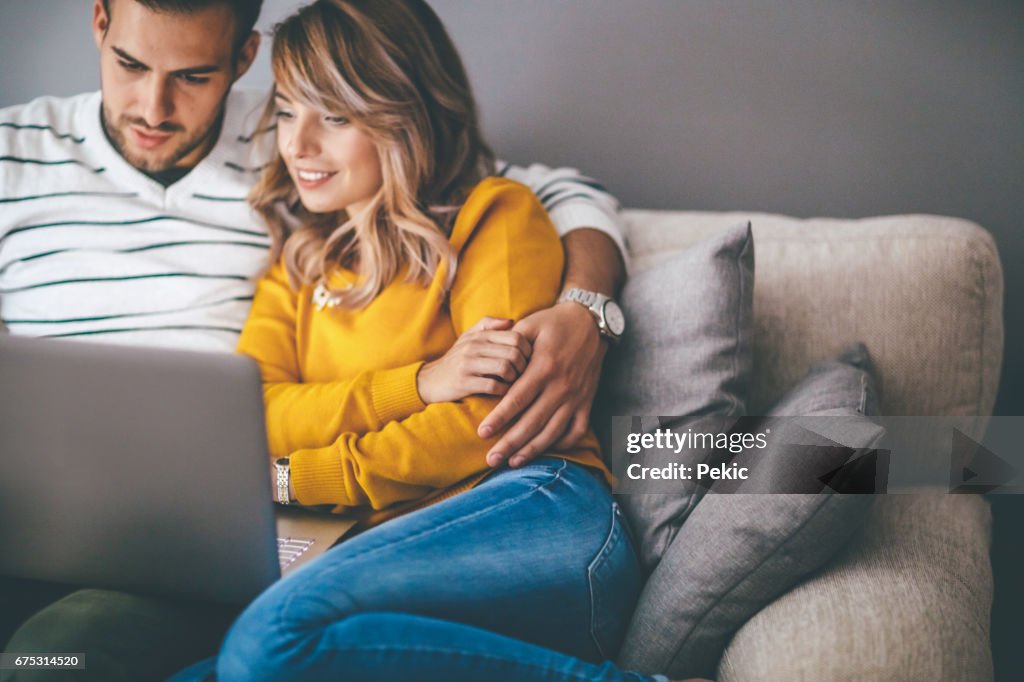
(801, 107)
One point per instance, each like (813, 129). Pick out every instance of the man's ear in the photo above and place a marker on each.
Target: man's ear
(100, 22)
(247, 54)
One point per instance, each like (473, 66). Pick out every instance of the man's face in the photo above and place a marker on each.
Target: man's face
(165, 78)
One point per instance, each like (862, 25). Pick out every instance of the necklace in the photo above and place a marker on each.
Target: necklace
(323, 298)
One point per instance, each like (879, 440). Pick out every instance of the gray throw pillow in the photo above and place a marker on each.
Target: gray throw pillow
(687, 352)
(737, 553)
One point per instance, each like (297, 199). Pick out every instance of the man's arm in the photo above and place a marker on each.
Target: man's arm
(592, 262)
(550, 402)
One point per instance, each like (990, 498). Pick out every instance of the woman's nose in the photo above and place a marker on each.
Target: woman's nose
(303, 142)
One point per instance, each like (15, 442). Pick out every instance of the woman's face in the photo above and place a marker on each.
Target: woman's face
(332, 162)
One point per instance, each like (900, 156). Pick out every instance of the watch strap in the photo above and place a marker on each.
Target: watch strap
(594, 302)
(283, 466)
(590, 299)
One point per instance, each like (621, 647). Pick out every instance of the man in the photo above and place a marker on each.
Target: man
(124, 220)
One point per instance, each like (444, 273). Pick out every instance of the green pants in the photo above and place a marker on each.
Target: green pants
(124, 637)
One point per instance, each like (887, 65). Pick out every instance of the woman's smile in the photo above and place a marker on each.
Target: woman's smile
(311, 179)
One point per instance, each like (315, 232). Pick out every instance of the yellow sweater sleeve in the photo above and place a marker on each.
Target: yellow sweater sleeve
(307, 415)
(510, 264)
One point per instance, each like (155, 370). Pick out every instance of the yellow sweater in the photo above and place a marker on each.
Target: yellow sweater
(340, 385)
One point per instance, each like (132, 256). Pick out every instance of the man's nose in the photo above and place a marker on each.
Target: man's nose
(157, 103)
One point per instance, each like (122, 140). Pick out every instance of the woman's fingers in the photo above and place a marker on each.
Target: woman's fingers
(495, 352)
(499, 368)
(490, 323)
(485, 360)
(488, 386)
(505, 338)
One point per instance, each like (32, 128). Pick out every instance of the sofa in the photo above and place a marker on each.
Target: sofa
(909, 597)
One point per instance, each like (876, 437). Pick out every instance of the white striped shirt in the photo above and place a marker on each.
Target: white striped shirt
(91, 248)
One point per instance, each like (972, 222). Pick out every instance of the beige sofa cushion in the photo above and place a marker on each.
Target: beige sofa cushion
(909, 600)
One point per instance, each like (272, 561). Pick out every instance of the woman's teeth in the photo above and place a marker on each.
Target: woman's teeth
(311, 176)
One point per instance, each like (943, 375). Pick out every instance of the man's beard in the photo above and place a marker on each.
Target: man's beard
(118, 136)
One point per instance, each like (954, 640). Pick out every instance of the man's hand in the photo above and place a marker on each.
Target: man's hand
(553, 396)
(550, 401)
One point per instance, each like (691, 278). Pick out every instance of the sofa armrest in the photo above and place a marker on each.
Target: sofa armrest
(909, 599)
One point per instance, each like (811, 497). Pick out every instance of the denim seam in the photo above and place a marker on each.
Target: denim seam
(456, 652)
(556, 477)
(606, 548)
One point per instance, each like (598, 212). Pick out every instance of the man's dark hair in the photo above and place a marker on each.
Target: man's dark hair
(246, 12)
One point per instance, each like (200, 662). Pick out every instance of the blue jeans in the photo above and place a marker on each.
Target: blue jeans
(530, 575)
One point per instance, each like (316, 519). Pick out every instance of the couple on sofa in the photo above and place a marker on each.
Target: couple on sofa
(408, 285)
(430, 349)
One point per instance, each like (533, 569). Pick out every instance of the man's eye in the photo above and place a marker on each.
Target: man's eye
(130, 66)
(194, 80)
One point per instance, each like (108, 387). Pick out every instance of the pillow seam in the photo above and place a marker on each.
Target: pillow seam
(739, 409)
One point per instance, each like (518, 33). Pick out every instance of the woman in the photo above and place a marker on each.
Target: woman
(391, 243)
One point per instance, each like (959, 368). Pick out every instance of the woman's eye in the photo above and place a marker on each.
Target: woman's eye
(281, 113)
(336, 120)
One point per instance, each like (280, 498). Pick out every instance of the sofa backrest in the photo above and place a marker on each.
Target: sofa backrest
(925, 293)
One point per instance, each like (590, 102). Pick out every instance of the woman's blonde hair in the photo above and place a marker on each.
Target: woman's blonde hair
(390, 68)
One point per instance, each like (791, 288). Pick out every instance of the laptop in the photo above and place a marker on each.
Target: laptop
(144, 470)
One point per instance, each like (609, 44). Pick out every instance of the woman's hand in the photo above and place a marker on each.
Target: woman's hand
(485, 360)
(550, 404)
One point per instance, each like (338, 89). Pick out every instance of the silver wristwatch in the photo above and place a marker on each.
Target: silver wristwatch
(284, 474)
(611, 323)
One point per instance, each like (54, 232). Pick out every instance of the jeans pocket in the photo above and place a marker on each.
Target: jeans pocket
(615, 582)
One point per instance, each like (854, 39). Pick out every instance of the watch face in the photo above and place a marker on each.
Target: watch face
(614, 318)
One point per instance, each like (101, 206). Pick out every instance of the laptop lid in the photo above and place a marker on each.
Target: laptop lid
(134, 468)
